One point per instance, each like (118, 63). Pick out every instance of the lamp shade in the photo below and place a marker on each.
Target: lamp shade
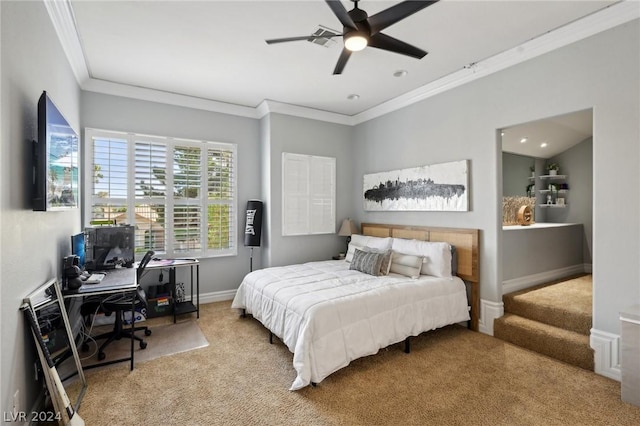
(253, 223)
(347, 228)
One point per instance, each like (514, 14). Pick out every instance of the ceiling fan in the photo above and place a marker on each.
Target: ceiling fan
(361, 30)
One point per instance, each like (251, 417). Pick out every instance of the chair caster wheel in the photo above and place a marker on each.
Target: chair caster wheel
(101, 356)
(143, 345)
(147, 332)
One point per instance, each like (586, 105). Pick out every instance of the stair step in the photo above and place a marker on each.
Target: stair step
(565, 305)
(564, 345)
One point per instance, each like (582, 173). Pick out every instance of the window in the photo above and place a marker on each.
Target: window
(308, 194)
(180, 194)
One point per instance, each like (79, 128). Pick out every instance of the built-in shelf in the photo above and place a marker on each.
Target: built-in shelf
(552, 177)
(558, 206)
(558, 191)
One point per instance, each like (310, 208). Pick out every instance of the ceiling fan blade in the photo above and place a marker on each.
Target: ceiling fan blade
(385, 42)
(390, 16)
(341, 13)
(307, 37)
(342, 61)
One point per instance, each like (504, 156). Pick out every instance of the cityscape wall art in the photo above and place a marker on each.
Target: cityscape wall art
(435, 187)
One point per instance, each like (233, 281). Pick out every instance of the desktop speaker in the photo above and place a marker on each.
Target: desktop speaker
(71, 272)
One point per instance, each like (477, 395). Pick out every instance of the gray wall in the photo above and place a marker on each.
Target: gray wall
(126, 114)
(515, 174)
(600, 72)
(530, 250)
(32, 244)
(577, 164)
(310, 137)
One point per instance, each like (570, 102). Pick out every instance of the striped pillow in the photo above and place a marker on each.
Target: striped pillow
(366, 262)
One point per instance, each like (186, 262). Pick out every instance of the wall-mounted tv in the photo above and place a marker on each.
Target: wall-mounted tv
(55, 160)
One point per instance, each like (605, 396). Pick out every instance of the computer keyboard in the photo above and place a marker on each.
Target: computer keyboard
(94, 278)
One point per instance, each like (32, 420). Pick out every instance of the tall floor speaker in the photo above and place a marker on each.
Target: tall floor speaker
(253, 227)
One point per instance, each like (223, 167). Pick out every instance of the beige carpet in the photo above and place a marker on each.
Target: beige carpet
(552, 319)
(451, 377)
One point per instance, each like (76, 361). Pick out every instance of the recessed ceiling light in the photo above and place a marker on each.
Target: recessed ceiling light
(401, 73)
(523, 140)
(543, 145)
(353, 97)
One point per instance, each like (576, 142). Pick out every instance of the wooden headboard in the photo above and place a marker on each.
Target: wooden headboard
(465, 241)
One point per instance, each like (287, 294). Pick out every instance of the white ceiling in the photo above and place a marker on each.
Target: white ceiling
(556, 133)
(215, 50)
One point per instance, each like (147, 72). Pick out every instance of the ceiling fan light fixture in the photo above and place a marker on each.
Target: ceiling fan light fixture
(355, 42)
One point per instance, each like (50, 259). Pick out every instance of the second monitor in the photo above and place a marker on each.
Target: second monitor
(109, 246)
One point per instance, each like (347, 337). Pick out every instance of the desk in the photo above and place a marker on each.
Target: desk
(186, 306)
(121, 280)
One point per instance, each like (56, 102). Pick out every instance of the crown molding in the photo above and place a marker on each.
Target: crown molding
(64, 23)
(61, 14)
(268, 106)
(614, 15)
(153, 95)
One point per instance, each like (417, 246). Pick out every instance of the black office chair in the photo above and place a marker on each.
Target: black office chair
(121, 303)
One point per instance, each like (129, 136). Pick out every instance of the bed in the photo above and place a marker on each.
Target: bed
(329, 313)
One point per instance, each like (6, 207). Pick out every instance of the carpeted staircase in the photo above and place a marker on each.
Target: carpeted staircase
(551, 319)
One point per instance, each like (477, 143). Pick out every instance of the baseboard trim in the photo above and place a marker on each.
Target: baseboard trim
(217, 296)
(606, 356)
(488, 312)
(521, 283)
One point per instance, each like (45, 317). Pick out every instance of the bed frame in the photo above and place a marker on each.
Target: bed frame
(467, 250)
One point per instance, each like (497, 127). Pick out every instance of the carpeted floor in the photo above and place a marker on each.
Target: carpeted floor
(553, 319)
(451, 377)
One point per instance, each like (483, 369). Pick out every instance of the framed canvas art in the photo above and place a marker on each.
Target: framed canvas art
(436, 187)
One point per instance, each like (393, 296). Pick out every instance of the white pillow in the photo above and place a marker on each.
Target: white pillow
(437, 255)
(360, 241)
(406, 264)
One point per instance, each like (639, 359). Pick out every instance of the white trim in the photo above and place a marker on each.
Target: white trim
(268, 106)
(217, 296)
(595, 23)
(606, 355)
(61, 14)
(489, 311)
(520, 283)
(152, 95)
(64, 23)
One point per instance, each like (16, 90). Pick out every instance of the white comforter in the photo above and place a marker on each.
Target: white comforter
(328, 315)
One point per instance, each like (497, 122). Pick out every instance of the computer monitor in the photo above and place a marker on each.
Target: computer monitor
(78, 248)
(109, 246)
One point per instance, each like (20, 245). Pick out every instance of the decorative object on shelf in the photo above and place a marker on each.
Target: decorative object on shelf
(553, 168)
(346, 230)
(436, 187)
(532, 169)
(511, 206)
(549, 200)
(531, 189)
(525, 216)
(560, 201)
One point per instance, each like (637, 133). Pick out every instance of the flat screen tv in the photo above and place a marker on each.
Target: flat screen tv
(55, 160)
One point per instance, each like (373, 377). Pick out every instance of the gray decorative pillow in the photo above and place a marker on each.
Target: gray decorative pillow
(366, 262)
(385, 266)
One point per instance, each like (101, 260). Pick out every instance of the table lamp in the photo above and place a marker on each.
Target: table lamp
(347, 229)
